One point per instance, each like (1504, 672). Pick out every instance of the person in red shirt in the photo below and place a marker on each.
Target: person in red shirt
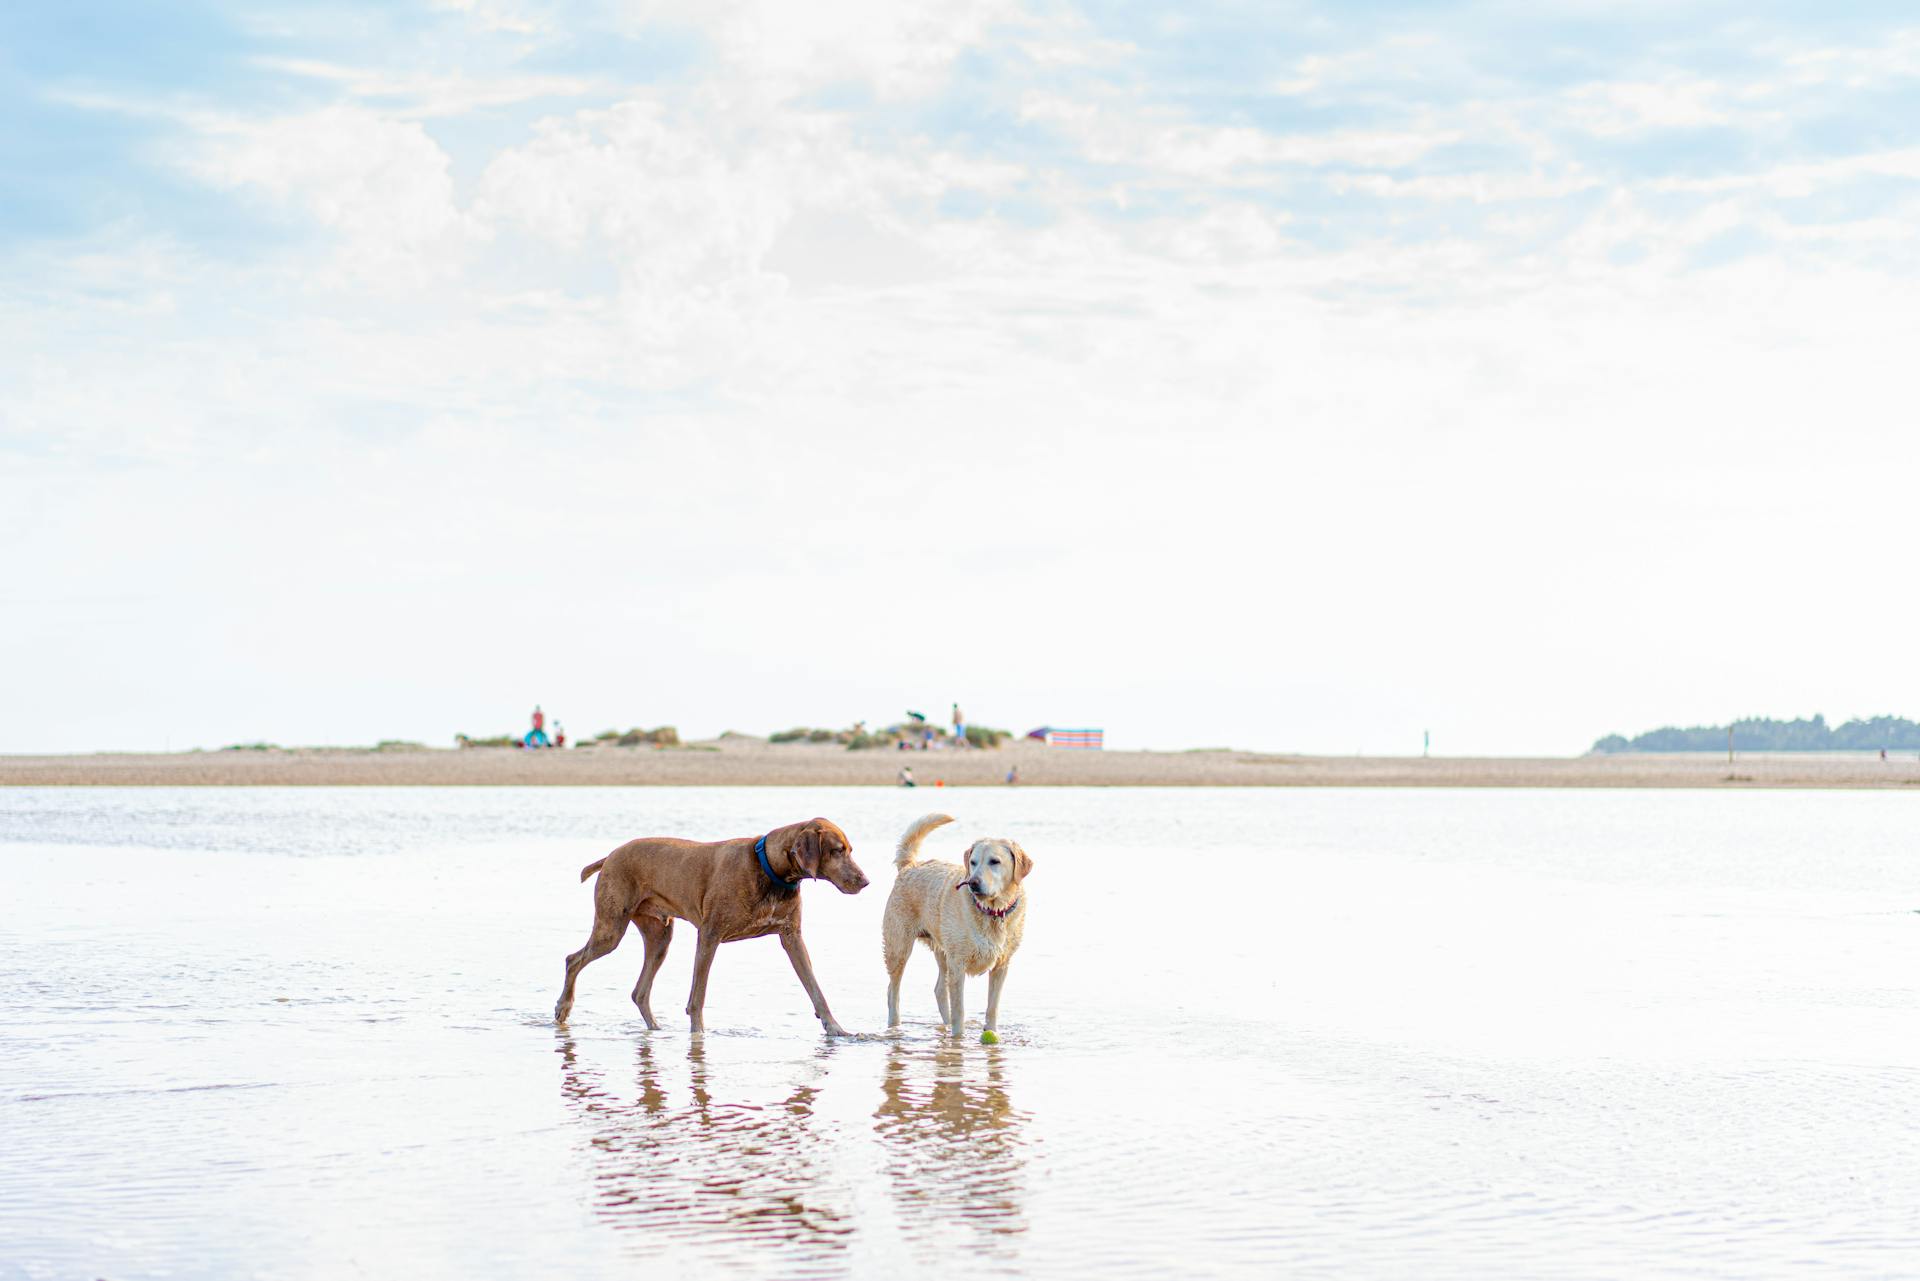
(537, 737)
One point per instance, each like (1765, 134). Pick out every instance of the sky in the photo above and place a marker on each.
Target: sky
(1297, 376)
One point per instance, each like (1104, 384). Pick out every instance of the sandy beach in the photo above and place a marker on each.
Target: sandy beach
(752, 762)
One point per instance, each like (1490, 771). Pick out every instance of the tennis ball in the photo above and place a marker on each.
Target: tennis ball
(989, 1037)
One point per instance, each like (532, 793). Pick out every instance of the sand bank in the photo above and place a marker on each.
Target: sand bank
(752, 762)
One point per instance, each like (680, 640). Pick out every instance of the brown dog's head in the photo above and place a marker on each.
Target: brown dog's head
(822, 851)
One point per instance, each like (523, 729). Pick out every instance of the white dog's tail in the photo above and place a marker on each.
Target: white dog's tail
(909, 852)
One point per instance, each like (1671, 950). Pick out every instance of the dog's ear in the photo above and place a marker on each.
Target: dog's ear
(1022, 864)
(805, 850)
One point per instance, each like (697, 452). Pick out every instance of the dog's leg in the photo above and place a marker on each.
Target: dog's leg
(895, 968)
(996, 978)
(940, 989)
(702, 962)
(797, 953)
(657, 935)
(956, 997)
(605, 937)
(896, 952)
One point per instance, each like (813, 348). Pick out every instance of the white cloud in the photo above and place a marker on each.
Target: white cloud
(516, 16)
(683, 216)
(1622, 107)
(1122, 134)
(425, 96)
(1799, 179)
(1894, 57)
(898, 48)
(1481, 188)
(381, 183)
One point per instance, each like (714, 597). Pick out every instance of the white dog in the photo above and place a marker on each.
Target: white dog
(971, 917)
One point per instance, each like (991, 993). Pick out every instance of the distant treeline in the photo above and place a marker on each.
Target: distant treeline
(914, 733)
(1763, 734)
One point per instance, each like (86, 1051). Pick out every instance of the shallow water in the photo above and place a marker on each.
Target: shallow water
(306, 1033)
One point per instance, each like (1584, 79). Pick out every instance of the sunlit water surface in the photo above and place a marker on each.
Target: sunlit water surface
(307, 1033)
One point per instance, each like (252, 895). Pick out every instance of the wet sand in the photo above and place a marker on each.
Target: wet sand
(284, 1034)
(744, 762)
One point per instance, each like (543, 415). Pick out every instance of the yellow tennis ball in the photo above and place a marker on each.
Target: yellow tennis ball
(989, 1037)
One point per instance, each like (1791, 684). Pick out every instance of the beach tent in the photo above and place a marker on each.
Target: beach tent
(1084, 739)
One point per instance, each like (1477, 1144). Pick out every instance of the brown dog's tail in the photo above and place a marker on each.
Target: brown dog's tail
(592, 867)
(909, 852)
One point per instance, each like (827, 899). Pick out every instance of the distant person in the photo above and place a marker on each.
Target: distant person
(537, 736)
(559, 734)
(959, 728)
(1013, 776)
(906, 776)
(1883, 753)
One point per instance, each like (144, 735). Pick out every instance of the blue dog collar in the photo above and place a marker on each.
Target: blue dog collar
(760, 852)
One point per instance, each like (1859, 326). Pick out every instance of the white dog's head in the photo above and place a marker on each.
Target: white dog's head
(995, 867)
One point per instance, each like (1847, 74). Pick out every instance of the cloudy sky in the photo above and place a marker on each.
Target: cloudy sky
(1290, 375)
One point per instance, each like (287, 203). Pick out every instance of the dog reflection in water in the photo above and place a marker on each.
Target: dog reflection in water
(956, 1147)
(708, 1175)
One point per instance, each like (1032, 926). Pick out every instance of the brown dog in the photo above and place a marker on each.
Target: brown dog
(728, 889)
